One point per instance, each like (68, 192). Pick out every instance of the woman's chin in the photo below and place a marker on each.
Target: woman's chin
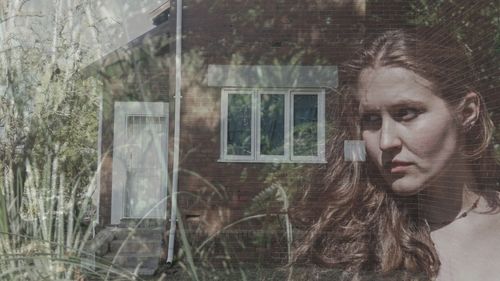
(405, 186)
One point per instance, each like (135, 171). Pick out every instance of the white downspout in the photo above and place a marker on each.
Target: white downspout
(97, 192)
(177, 118)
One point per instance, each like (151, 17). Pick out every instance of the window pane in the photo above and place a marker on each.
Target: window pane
(239, 124)
(305, 125)
(272, 124)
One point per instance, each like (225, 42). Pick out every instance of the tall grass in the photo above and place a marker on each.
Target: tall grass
(43, 237)
(43, 234)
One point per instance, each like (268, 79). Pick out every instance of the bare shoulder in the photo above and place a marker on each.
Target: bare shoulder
(470, 249)
(486, 230)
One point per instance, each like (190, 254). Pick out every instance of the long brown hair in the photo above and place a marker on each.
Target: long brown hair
(360, 226)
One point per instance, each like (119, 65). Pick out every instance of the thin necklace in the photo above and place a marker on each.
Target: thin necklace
(464, 213)
(461, 216)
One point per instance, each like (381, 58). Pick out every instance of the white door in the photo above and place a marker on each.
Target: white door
(139, 186)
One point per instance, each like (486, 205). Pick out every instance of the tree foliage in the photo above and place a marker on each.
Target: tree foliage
(47, 109)
(477, 25)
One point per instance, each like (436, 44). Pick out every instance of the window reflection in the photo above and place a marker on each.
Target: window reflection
(305, 125)
(239, 124)
(272, 124)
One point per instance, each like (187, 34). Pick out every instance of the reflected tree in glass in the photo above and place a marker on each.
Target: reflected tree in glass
(305, 125)
(272, 124)
(239, 124)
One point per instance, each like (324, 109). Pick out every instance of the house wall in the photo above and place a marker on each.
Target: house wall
(137, 73)
(215, 194)
(308, 32)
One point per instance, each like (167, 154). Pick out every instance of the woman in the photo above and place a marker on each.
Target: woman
(424, 205)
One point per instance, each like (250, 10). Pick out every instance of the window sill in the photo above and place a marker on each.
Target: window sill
(263, 161)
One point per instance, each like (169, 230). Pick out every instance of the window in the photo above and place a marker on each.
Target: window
(273, 125)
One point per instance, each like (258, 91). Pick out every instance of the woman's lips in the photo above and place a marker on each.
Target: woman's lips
(399, 166)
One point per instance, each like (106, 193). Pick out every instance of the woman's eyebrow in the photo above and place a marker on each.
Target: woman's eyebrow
(397, 104)
(407, 102)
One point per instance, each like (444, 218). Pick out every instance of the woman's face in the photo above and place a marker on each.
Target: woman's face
(410, 133)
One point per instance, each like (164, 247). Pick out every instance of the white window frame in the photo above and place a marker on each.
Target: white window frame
(224, 126)
(321, 127)
(288, 156)
(286, 146)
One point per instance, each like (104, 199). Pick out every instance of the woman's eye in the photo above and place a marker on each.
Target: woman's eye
(370, 120)
(407, 114)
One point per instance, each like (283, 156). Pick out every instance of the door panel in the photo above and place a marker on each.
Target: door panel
(139, 160)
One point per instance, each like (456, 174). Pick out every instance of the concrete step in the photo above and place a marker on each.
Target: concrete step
(121, 233)
(143, 271)
(117, 272)
(136, 246)
(134, 260)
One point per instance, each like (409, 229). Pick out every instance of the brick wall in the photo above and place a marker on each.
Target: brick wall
(307, 32)
(260, 32)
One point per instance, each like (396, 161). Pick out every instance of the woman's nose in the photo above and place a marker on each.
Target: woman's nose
(389, 136)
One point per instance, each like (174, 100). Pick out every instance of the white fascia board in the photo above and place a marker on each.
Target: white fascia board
(273, 76)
